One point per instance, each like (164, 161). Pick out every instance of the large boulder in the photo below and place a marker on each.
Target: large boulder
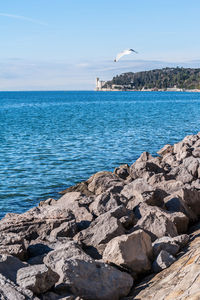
(179, 219)
(192, 164)
(85, 277)
(145, 166)
(155, 221)
(103, 229)
(70, 201)
(37, 278)
(171, 245)
(192, 198)
(140, 191)
(9, 265)
(36, 223)
(106, 201)
(174, 203)
(102, 181)
(132, 251)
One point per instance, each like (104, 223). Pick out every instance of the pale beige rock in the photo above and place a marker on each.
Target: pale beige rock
(37, 278)
(132, 251)
(178, 282)
(166, 149)
(85, 277)
(102, 181)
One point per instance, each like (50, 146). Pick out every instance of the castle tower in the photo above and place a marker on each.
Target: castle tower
(98, 84)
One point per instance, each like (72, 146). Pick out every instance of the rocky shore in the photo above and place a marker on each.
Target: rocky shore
(124, 235)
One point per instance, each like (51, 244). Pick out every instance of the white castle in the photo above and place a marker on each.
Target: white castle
(99, 84)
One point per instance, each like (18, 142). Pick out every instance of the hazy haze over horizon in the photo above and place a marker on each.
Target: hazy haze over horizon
(66, 45)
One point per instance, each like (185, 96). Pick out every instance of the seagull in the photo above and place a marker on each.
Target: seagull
(125, 52)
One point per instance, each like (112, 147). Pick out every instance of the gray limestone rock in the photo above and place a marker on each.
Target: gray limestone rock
(163, 261)
(140, 190)
(86, 277)
(155, 221)
(105, 202)
(10, 291)
(165, 243)
(9, 265)
(37, 278)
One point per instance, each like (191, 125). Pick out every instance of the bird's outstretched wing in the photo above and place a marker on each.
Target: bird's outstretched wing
(125, 52)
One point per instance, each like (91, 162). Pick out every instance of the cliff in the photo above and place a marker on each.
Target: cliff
(122, 235)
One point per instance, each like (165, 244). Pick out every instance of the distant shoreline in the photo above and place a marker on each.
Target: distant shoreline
(149, 90)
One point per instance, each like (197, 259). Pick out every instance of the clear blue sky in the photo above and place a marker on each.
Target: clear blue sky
(65, 44)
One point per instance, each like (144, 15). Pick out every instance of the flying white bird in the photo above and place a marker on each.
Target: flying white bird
(125, 52)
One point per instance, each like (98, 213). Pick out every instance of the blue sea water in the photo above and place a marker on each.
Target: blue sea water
(52, 140)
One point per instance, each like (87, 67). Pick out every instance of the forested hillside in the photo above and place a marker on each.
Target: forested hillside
(185, 78)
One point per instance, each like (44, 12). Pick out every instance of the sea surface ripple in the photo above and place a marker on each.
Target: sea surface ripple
(52, 140)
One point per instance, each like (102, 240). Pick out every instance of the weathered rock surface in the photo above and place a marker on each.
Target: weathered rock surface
(10, 291)
(104, 228)
(179, 281)
(132, 251)
(102, 181)
(163, 261)
(165, 243)
(106, 201)
(17, 231)
(86, 277)
(156, 222)
(140, 191)
(9, 265)
(38, 278)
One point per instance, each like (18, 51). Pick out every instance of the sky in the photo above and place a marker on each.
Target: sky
(66, 44)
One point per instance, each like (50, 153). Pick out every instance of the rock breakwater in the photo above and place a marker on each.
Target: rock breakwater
(108, 237)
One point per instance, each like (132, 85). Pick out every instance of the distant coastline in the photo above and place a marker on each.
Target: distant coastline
(148, 90)
(161, 80)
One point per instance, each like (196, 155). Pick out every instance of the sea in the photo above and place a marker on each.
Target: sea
(52, 140)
